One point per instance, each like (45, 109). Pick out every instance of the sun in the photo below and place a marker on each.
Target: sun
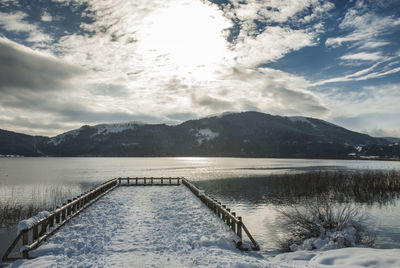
(186, 39)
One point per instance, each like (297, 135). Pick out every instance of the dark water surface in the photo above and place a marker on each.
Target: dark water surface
(241, 183)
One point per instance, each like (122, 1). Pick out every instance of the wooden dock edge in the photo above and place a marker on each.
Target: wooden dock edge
(225, 214)
(47, 226)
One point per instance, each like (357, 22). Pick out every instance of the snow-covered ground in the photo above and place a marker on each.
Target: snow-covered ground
(345, 257)
(169, 227)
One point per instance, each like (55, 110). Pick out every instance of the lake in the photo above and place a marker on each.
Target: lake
(240, 183)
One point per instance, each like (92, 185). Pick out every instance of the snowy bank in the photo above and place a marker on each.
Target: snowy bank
(345, 257)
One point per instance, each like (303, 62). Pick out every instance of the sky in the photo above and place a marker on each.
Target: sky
(67, 63)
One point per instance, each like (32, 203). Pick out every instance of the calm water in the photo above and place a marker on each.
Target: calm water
(27, 180)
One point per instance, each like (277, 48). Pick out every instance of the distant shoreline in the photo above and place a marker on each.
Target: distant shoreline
(187, 156)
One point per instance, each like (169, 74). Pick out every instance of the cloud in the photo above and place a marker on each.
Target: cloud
(364, 27)
(378, 132)
(278, 11)
(46, 17)
(265, 31)
(374, 44)
(363, 56)
(9, 3)
(368, 108)
(24, 68)
(271, 45)
(33, 127)
(364, 74)
(371, 109)
(273, 91)
(212, 104)
(161, 61)
(15, 22)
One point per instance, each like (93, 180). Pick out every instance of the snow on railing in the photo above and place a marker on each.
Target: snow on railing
(225, 214)
(33, 231)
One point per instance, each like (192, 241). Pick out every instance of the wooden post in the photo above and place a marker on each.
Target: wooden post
(144, 181)
(78, 204)
(136, 180)
(170, 180)
(35, 232)
(25, 241)
(119, 180)
(228, 219)
(162, 181)
(239, 227)
(233, 223)
(151, 180)
(63, 216)
(43, 227)
(127, 180)
(51, 221)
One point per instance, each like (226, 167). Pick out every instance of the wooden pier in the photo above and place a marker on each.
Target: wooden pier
(31, 237)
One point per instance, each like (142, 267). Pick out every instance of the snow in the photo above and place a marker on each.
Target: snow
(220, 115)
(345, 236)
(301, 119)
(225, 114)
(61, 138)
(169, 227)
(329, 239)
(205, 134)
(130, 144)
(104, 129)
(22, 225)
(345, 257)
(144, 227)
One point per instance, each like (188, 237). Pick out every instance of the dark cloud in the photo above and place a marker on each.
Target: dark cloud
(211, 103)
(299, 102)
(28, 123)
(112, 90)
(367, 123)
(66, 110)
(175, 85)
(179, 117)
(21, 67)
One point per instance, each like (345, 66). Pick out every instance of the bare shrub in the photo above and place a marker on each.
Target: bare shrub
(324, 224)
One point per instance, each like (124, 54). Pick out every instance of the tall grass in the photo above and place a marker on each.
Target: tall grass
(15, 207)
(367, 187)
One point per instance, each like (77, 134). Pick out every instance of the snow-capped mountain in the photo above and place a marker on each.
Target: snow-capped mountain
(247, 134)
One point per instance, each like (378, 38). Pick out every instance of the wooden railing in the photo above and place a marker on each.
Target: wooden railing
(162, 181)
(33, 236)
(224, 213)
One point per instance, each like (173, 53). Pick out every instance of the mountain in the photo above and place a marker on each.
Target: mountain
(12, 143)
(247, 134)
(392, 140)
